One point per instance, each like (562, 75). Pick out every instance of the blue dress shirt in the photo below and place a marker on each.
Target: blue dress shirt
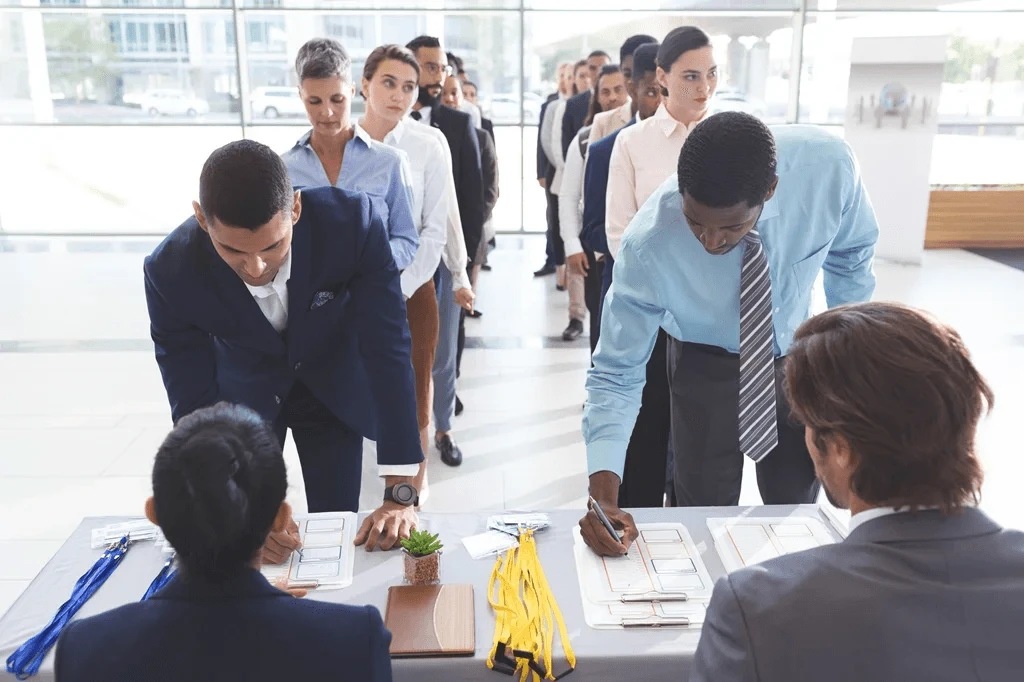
(819, 219)
(377, 170)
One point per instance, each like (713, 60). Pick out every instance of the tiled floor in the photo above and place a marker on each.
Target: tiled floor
(82, 408)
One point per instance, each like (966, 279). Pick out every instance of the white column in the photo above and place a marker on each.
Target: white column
(758, 63)
(737, 55)
(38, 69)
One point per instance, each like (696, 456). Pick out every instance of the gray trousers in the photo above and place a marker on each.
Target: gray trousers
(447, 349)
(708, 465)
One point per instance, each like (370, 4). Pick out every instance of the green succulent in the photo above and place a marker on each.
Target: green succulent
(421, 543)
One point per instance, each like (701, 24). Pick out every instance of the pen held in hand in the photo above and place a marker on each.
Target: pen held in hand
(604, 520)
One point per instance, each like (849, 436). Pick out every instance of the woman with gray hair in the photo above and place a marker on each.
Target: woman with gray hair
(337, 153)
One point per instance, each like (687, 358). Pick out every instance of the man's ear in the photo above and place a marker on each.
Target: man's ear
(151, 511)
(297, 206)
(284, 516)
(840, 452)
(200, 216)
(771, 190)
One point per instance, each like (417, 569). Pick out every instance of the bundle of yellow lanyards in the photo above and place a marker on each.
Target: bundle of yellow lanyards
(526, 615)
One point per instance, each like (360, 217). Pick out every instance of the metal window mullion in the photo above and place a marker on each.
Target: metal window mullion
(241, 65)
(796, 66)
(522, 116)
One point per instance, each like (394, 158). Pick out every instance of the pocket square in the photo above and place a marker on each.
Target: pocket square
(320, 298)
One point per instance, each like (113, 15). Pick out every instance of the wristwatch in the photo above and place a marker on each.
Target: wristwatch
(403, 494)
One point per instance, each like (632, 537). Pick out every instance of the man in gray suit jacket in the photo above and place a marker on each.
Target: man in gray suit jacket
(926, 588)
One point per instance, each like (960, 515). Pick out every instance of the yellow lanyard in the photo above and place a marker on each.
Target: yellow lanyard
(526, 615)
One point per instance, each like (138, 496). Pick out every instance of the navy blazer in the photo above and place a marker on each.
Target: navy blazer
(347, 337)
(595, 188)
(543, 165)
(243, 630)
(457, 127)
(576, 110)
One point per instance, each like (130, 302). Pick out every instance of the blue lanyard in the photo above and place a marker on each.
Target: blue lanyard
(165, 576)
(26, 661)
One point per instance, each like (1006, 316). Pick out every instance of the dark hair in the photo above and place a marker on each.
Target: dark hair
(595, 106)
(599, 53)
(423, 41)
(322, 58)
(645, 60)
(458, 66)
(389, 53)
(244, 184)
(218, 482)
(576, 67)
(633, 42)
(728, 158)
(678, 42)
(900, 388)
(472, 84)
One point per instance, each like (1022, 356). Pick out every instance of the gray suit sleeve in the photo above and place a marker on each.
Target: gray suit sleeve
(724, 651)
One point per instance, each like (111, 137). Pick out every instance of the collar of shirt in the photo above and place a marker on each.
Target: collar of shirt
(625, 112)
(425, 115)
(360, 134)
(397, 133)
(668, 124)
(279, 285)
(871, 514)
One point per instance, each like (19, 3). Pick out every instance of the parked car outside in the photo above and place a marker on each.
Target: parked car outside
(167, 102)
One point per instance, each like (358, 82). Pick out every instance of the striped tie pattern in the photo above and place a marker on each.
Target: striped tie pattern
(757, 417)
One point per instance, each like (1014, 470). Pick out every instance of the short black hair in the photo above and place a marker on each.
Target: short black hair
(727, 159)
(423, 41)
(680, 41)
(599, 53)
(219, 479)
(633, 42)
(244, 184)
(645, 60)
(471, 83)
(458, 66)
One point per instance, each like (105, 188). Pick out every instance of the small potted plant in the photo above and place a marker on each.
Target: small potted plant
(422, 558)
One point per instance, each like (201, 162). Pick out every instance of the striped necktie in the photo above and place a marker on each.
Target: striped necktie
(757, 418)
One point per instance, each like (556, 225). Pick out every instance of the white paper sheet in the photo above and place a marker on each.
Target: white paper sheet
(327, 555)
(747, 541)
(489, 543)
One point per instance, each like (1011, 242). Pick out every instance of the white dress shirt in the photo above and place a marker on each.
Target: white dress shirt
(272, 298)
(555, 155)
(570, 199)
(430, 198)
(546, 127)
(607, 122)
(644, 156)
(454, 255)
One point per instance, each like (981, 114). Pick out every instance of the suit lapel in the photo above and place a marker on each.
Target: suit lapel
(299, 294)
(241, 307)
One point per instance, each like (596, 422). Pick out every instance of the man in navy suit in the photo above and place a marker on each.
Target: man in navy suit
(578, 106)
(289, 302)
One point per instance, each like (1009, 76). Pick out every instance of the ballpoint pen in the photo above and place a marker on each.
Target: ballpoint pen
(604, 520)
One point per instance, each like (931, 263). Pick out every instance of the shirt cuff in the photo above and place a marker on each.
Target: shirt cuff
(460, 280)
(409, 470)
(572, 246)
(607, 455)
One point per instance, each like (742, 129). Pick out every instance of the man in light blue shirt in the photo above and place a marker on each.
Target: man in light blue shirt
(680, 268)
(337, 153)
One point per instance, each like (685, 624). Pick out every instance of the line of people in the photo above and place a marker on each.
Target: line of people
(314, 343)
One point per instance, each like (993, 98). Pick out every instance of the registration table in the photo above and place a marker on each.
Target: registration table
(613, 655)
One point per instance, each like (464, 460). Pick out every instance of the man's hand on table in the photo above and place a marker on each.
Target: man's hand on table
(604, 487)
(386, 526)
(279, 546)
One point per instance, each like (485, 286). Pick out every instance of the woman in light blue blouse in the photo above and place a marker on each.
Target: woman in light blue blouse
(337, 153)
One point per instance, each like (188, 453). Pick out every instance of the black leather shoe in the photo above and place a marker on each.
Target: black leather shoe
(485, 267)
(458, 406)
(573, 331)
(475, 314)
(545, 271)
(450, 452)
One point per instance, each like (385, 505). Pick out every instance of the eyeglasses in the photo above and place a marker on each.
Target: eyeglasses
(433, 68)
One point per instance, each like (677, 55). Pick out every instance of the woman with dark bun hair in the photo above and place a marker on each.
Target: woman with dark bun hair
(219, 485)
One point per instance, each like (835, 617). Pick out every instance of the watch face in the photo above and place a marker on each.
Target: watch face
(404, 493)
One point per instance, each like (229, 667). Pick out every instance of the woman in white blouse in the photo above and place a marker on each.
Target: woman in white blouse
(390, 82)
(611, 94)
(647, 153)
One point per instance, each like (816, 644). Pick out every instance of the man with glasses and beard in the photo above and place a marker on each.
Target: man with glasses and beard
(458, 129)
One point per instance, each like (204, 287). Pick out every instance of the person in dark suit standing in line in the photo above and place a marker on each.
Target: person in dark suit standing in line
(926, 587)
(219, 485)
(578, 107)
(545, 169)
(289, 302)
(464, 144)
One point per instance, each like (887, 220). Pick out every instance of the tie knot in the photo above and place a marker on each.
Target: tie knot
(752, 237)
